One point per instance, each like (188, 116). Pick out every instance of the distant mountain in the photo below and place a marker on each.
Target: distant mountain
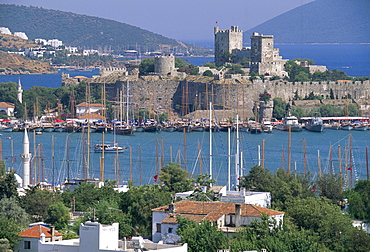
(82, 31)
(321, 21)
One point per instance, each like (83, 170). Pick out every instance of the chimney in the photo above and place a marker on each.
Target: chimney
(52, 231)
(238, 212)
(171, 208)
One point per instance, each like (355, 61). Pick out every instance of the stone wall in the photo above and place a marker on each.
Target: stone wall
(184, 97)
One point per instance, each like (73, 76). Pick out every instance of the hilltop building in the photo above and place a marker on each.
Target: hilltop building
(164, 65)
(264, 58)
(229, 217)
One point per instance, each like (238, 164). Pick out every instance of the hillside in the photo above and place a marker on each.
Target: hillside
(321, 21)
(83, 31)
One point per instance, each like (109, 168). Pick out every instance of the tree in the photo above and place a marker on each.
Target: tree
(265, 96)
(5, 245)
(175, 179)
(359, 200)
(330, 186)
(234, 69)
(333, 227)
(146, 66)
(8, 184)
(297, 111)
(58, 215)
(258, 179)
(10, 209)
(201, 237)
(208, 73)
(9, 230)
(137, 204)
(279, 108)
(36, 202)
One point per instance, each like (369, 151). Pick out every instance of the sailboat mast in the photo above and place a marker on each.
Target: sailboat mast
(210, 140)
(237, 162)
(229, 159)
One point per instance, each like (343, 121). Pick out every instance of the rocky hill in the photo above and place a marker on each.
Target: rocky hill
(84, 31)
(321, 21)
(15, 64)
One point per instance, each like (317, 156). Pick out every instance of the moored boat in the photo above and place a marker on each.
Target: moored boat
(314, 124)
(290, 122)
(255, 128)
(109, 148)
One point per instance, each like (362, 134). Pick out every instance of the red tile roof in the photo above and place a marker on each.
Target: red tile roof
(6, 105)
(85, 104)
(36, 231)
(212, 211)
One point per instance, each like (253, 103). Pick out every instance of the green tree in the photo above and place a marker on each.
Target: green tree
(10, 209)
(58, 215)
(258, 179)
(146, 66)
(359, 200)
(9, 230)
(5, 245)
(297, 111)
(296, 72)
(330, 186)
(279, 108)
(208, 73)
(175, 179)
(202, 236)
(36, 202)
(234, 69)
(265, 96)
(8, 184)
(137, 204)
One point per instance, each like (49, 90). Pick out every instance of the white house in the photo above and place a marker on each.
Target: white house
(228, 217)
(95, 237)
(7, 108)
(31, 236)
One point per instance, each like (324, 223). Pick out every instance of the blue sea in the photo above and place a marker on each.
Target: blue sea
(350, 58)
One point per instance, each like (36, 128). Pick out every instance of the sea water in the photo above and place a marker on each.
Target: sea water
(146, 157)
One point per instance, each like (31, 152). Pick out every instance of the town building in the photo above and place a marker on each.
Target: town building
(88, 108)
(21, 35)
(7, 108)
(228, 217)
(30, 237)
(5, 30)
(94, 237)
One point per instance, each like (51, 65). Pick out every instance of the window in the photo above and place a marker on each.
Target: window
(27, 245)
(170, 230)
(158, 227)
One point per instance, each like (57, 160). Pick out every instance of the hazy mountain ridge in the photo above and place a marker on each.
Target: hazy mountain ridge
(321, 21)
(81, 30)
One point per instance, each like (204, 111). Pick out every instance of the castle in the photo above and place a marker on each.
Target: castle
(264, 58)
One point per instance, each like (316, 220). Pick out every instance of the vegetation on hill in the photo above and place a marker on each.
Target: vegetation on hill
(84, 31)
(320, 21)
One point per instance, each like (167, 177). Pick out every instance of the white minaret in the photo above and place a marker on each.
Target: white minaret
(19, 91)
(26, 157)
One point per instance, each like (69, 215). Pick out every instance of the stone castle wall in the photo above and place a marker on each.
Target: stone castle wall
(183, 96)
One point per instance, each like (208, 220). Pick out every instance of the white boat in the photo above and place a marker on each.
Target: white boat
(290, 122)
(114, 148)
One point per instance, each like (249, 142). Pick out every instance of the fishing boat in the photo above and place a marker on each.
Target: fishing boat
(290, 122)
(109, 148)
(314, 124)
(360, 126)
(267, 126)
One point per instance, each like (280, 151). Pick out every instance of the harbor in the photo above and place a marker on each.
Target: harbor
(64, 154)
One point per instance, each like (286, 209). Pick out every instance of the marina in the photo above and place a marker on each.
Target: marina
(147, 152)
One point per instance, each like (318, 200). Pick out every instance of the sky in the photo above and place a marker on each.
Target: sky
(190, 20)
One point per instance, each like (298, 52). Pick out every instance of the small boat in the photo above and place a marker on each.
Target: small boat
(346, 126)
(109, 148)
(267, 126)
(6, 128)
(335, 126)
(315, 124)
(290, 122)
(360, 126)
(255, 128)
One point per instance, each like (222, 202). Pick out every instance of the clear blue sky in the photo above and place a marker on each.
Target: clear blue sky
(188, 20)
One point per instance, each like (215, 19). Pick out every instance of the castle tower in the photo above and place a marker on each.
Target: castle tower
(26, 157)
(225, 42)
(164, 65)
(19, 91)
(262, 48)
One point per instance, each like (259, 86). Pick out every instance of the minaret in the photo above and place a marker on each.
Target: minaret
(19, 91)
(26, 157)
